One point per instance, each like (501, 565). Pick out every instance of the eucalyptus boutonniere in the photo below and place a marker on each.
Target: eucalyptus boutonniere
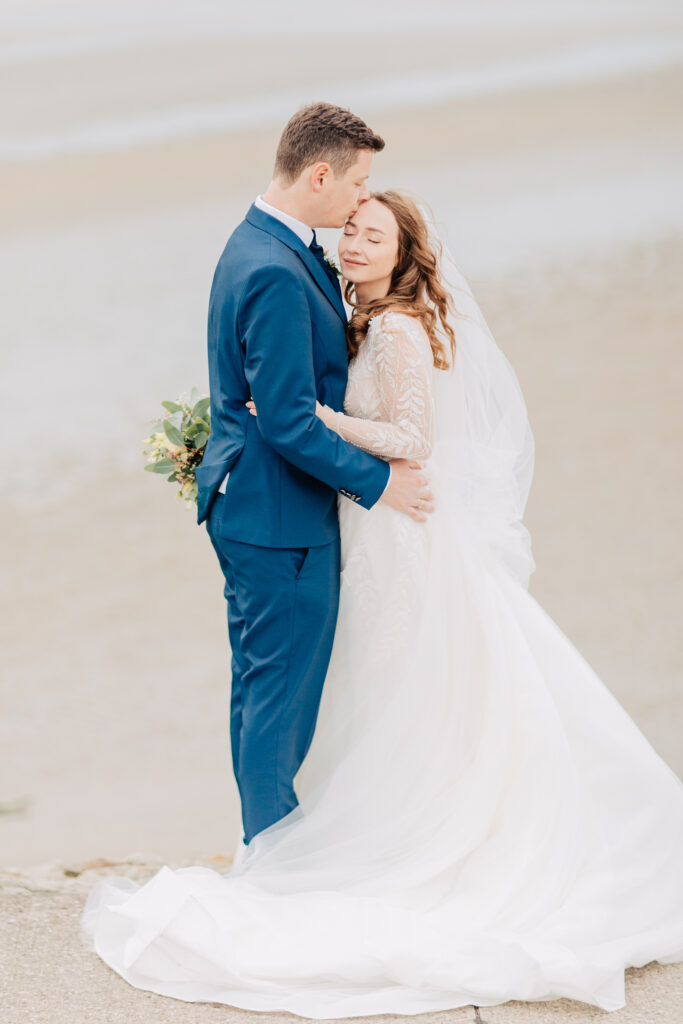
(331, 264)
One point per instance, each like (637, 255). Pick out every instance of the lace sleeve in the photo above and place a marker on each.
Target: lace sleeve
(402, 363)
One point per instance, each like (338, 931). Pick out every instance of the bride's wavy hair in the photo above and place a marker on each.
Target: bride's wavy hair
(416, 286)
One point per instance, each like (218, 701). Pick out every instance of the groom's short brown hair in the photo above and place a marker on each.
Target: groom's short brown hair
(322, 131)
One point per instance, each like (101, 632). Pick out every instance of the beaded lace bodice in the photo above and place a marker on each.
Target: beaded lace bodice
(389, 408)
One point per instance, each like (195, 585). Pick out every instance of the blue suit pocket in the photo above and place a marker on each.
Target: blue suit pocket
(299, 556)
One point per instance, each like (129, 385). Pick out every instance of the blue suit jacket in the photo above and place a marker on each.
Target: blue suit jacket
(277, 332)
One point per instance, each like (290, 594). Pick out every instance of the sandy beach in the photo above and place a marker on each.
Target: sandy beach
(551, 149)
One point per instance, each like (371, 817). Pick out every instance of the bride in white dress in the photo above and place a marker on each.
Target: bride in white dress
(479, 820)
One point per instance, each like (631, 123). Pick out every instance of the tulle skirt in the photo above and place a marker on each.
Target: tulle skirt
(479, 819)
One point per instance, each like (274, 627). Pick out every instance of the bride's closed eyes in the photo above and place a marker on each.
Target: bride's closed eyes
(351, 232)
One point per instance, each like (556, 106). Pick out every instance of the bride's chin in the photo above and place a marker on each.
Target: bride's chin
(353, 277)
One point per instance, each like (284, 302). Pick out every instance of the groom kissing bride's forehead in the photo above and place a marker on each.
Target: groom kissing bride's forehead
(268, 485)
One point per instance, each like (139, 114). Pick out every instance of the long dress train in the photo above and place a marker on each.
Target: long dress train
(479, 819)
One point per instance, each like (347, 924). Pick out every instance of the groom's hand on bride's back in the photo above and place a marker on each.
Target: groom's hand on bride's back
(408, 490)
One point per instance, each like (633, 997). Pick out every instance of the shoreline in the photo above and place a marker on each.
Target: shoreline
(67, 189)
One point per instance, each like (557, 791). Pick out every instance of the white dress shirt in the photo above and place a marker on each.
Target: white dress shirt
(305, 233)
(297, 226)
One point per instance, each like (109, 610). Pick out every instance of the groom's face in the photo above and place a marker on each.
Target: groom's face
(341, 196)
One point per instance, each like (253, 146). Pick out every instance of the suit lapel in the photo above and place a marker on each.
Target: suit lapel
(265, 222)
(321, 278)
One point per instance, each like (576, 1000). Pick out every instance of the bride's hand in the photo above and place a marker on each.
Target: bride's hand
(251, 407)
(329, 417)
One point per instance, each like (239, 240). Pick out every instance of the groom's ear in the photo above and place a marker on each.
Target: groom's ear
(317, 173)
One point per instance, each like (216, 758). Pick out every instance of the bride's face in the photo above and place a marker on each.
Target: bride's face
(368, 249)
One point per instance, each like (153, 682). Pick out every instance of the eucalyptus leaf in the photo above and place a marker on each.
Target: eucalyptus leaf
(172, 406)
(200, 440)
(172, 433)
(194, 396)
(200, 407)
(162, 466)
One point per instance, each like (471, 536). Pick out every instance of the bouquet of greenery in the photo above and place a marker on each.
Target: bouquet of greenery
(177, 443)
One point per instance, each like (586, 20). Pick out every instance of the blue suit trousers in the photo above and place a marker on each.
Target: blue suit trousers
(282, 612)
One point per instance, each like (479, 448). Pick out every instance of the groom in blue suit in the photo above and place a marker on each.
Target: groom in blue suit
(268, 485)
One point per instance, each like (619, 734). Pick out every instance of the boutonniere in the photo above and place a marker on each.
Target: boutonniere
(331, 264)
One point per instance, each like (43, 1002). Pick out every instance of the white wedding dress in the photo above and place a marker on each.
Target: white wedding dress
(479, 819)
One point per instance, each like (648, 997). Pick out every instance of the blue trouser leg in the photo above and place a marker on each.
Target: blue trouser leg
(282, 610)
(237, 665)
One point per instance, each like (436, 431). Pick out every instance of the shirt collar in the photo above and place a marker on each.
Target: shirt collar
(304, 232)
